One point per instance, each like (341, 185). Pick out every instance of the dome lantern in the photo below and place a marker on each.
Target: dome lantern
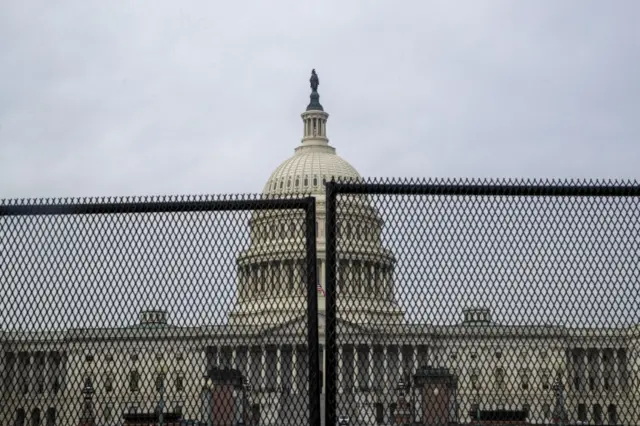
(314, 118)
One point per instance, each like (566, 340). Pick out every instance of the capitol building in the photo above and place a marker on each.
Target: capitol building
(98, 376)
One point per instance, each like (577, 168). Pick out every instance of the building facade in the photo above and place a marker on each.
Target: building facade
(139, 367)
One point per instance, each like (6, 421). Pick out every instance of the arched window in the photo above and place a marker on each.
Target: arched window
(297, 182)
(315, 181)
(306, 181)
(134, 381)
(35, 417)
(51, 416)
(612, 412)
(20, 417)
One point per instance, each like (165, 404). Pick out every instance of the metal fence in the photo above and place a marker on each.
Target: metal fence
(446, 302)
(482, 302)
(192, 310)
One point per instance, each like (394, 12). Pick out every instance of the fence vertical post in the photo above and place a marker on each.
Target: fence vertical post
(312, 312)
(330, 291)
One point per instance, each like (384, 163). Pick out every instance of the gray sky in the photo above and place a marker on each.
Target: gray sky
(156, 97)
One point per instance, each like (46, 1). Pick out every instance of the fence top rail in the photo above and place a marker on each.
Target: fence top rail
(463, 187)
(75, 206)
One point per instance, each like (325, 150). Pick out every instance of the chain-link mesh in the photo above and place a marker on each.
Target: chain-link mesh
(483, 303)
(191, 310)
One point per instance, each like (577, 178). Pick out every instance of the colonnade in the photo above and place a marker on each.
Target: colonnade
(278, 278)
(598, 369)
(33, 372)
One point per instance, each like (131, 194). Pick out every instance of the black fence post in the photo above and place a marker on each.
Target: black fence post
(312, 313)
(330, 291)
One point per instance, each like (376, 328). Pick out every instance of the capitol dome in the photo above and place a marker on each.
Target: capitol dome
(308, 169)
(272, 269)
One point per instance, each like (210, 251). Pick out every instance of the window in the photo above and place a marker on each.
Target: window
(89, 358)
(134, 357)
(498, 355)
(109, 358)
(597, 414)
(108, 382)
(51, 416)
(379, 413)
(524, 379)
(134, 381)
(315, 181)
(499, 378)
(612, 413)
(473, 355)
(20, 416)
(178, 409)
(35, 417)
(180, 382)
(107, 413)
(544, 379)
(159, 382)
(475, 385)
(582, 412)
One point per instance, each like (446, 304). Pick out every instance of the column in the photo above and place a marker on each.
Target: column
(31, 373)
(282, 279)
(234, 356)
(46, 373)
(263, 367)
(599, 372)
(348, 277)
(414, 348)
(278, 366)
(294, 368)
(616, 371)
(385, 368)
(355, 367)
(585, 375)
(370, 383)
(248, 370)
(400, 362)
(340, 367)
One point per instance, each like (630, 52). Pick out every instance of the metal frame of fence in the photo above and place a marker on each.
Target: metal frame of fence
(146, 205)
(435, 188)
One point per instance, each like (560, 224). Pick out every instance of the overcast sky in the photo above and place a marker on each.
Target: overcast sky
(171, 97)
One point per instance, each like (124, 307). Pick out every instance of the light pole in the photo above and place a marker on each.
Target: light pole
(163, 372)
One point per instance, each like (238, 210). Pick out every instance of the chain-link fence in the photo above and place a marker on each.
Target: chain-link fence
(483, 303)
(171, 311)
